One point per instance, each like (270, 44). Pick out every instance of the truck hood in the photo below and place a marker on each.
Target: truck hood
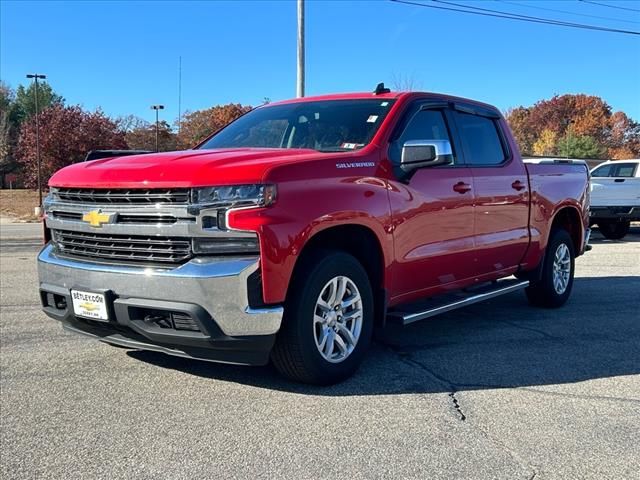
(190, 168)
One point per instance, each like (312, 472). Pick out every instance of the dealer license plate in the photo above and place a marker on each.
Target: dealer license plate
(90, 305)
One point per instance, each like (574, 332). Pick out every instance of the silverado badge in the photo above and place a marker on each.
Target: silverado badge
(96, 218)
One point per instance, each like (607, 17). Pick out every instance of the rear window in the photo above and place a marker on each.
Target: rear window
(480, 139)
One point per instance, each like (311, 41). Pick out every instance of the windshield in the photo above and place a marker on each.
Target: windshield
(325, 126)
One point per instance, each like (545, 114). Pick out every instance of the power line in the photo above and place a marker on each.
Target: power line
(554, 21)
(610, 6)
(518, 4)
(511, 16)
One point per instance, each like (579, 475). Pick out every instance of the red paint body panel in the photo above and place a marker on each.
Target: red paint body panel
(432, 238)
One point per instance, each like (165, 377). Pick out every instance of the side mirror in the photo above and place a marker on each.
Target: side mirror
(425, 153)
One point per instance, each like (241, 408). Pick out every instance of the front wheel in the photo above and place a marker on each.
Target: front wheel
(328, 320)
(555, 284)
(614, 230)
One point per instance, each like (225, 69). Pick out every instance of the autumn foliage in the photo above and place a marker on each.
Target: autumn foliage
(198, 125)
(66, 135)
(578, 126)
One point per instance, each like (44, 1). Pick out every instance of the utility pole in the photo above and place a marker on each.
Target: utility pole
(35, 77)
(157, 108)
(300, 83)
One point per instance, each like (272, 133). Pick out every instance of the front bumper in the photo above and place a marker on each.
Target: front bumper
(614, 213)
(213, 293)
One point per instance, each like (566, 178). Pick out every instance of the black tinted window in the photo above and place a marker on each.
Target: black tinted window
(603, 171)
(615, 170)
(424, 125)
(480, 140)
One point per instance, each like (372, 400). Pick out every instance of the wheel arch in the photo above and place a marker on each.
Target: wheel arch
(568, 218)
(362, 243)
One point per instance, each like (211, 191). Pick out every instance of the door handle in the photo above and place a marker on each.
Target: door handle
(461, 187)
(619, 180)
(518, 185)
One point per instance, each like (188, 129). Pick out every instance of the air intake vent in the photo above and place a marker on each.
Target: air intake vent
(139, 249)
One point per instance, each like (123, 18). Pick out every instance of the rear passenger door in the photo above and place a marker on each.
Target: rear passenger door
(501, 188)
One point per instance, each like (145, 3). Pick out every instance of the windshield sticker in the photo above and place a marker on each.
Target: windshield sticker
(350, 146)
(372, 118)
(384, 104)
(355, 165)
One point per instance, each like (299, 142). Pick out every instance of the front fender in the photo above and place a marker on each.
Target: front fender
(305, 208)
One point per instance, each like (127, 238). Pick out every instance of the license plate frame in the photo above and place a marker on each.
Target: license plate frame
(90, 305)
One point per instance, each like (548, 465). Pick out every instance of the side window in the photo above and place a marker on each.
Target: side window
(424, 125)
(603, 171)
(480, 140)
(625, 170)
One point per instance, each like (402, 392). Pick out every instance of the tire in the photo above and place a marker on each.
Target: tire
(297, 352)
(614, 230)
(554, 288)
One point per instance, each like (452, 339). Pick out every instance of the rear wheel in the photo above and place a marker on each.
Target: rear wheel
(614, 230)
(328, 320)
(555, 284)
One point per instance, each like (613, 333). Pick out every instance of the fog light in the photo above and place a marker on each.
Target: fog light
(217, 246)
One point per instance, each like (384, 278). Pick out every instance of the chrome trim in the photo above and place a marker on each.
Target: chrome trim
(587, 237)
(501, 289)
(442, 147)
(207, 267)
(219, 285)
(187, 223)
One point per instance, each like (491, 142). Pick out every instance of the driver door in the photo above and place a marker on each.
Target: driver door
(433, 213)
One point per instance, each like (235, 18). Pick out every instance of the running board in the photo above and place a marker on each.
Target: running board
(431, 307)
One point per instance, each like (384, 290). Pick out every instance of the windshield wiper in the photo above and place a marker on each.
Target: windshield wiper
(335, 149)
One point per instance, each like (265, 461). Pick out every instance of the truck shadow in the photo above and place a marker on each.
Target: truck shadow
(502, 343)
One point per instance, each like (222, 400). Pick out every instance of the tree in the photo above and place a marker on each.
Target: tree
(8, 131)
(25, 103)
(66, 135)
(518, 119)
(625, 137)
(584, 123)
(198, 125)
(141, 135)
(545, 145)
(580, 146)
(405, 83)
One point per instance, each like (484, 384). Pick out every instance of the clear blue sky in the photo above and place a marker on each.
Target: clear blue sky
(123, 56)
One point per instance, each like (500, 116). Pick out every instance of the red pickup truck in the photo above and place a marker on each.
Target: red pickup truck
(296, 230)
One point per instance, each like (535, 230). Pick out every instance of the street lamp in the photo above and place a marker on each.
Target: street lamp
(36, 77)
(156, 108)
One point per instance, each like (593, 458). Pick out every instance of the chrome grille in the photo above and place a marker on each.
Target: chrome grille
(140, 249)
(120, 218)
(172, 196)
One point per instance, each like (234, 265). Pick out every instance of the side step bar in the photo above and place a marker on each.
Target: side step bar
(410, 313)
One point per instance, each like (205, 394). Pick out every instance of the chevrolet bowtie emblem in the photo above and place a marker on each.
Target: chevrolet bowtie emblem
(96, 218)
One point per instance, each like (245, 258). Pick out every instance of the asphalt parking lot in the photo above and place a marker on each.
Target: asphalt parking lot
(497, 390)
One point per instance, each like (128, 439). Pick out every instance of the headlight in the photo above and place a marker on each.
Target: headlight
(236, 195)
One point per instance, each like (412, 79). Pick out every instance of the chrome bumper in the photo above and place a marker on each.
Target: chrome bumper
(587, 236)
(217, 285)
